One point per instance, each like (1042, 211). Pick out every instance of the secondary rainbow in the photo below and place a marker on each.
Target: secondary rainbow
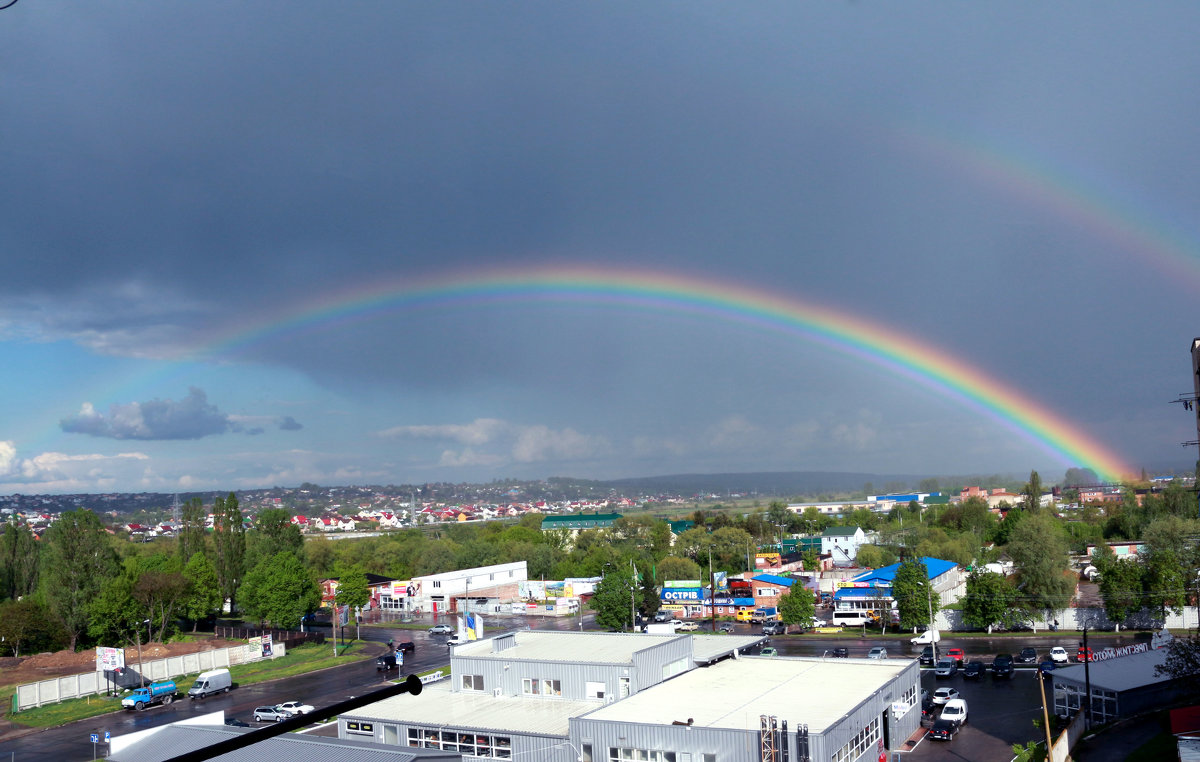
(677, 293)
(1086, 203)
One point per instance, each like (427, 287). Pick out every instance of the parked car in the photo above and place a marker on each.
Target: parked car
(234, 722)
(955, 710)
(1083, 654)
(269, 714)
(294, 707)
(840, 652)
(688, 627)
(946, 667)
(661, 616)
(878, 652)
(956, 654)
(1002, 665)
(774, 628)
(726, 627)
(441, 629)
(676, 622)
(928, 709)
(768, 651)
(974, 669)
(1027, 656)
(927, 655)
(942, 695)
(1058, 655)
(943, 730)
(456, 640)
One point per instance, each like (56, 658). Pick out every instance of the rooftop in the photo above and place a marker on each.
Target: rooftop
(935, 566)
(1120, 674)
(574, 647)
(734, 694)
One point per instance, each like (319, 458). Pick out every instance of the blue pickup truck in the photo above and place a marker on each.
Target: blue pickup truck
(155, 693)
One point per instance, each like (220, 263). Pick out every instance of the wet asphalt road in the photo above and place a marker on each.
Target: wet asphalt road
(1000, 711)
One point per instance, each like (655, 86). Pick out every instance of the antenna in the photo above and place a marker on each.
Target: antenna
(175, 509)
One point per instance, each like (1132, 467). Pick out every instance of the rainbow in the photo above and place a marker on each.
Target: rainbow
(1103, 213)
(676, 293)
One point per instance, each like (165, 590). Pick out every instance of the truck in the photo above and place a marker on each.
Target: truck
(929, 636)
(764, 614)
(208, 683)
(155, 693)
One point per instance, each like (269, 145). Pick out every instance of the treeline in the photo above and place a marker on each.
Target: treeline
(83, 584)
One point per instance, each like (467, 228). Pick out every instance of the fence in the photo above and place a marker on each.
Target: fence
(37, 694)
(1061, 750)
(1092, 618)
(290, 638)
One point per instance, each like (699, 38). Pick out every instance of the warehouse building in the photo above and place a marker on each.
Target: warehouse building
(606, 697)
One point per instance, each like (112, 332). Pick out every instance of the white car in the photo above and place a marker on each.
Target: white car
(955, 710)
(456, 640)
(942, 695)
(1058, 655)
(676, 623)
(816, 622)
(294, 707)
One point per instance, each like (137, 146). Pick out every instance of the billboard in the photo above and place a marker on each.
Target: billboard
(682, 594)
(109, 658)
(683, 583)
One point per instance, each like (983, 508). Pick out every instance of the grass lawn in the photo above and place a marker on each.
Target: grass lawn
(299, 660)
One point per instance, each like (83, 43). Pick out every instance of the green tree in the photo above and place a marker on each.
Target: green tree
(18, 561)
(76, 560)
(161, 589)
(193, 533)
(203, 598)
(990, 600)
(115, 615)
(797, 605)
(1183, 661)
(1120, 585)
(674, 567)
(1031, 496)
(274, 533)
(353, 590)
(612, 598)
(229, 541)
(873, 557)
(649, 598)
(1039, 552)
(913, 594)
(280, 590)
(19, 621)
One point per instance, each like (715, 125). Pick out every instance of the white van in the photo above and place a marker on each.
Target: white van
(213, 681)
(850, 618)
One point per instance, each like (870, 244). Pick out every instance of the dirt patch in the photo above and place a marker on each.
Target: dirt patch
(29, 669)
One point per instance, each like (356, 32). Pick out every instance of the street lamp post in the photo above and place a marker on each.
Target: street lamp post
(141, 669)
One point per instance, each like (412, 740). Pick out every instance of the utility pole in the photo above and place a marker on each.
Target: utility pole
(1087, 680)
(632, 593)
(1045, 711)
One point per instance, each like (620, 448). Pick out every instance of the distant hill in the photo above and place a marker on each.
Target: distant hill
(767, 483)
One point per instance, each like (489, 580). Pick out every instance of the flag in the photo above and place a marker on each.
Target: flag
(478, 626)
(470, 626)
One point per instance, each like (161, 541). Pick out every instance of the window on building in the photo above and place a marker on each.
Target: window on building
(623, 687)
(534, 686)
(865, 738)
(551, 688)
(625, 754)
(472, 682)
(475, 744)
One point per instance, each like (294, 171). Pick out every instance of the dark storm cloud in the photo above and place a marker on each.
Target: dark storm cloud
(189, 418)
(288, 423)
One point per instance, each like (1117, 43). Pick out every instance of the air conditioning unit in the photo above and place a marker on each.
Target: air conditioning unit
(497, 692)
(608, 699)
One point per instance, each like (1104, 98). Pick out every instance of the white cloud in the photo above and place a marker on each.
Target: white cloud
(8, 457)
(540, 443)
(478, 432)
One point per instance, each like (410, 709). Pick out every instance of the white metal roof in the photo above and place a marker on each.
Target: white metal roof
(575, 647)
(438, 706)
(734, 694)
(707, 647)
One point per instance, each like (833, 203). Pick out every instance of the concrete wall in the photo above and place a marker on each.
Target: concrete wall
(1094, 618)
(91, 683)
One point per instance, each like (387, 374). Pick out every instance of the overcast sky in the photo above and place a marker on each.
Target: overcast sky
(1014, 185)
